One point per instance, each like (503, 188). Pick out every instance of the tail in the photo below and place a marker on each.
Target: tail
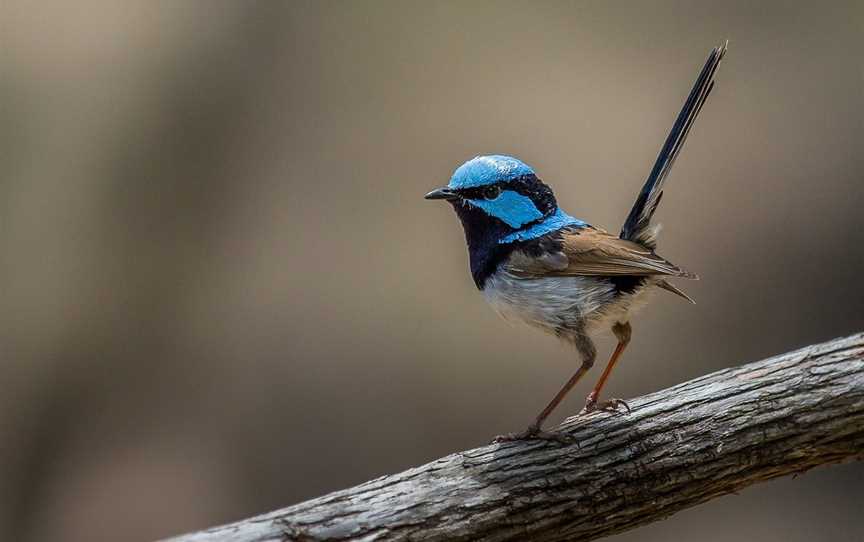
(637, 227)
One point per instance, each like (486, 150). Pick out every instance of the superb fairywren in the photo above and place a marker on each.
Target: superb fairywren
(537, 264)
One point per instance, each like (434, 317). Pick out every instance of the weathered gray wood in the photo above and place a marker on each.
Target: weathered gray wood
(679, 447)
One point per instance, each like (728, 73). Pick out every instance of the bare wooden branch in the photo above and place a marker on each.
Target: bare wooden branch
(679, 447)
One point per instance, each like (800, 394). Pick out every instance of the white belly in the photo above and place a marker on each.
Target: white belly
(552, 303)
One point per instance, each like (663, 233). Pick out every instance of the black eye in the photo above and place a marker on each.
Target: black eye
(491, 192)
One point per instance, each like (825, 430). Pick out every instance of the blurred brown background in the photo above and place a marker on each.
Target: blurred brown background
(224, 293)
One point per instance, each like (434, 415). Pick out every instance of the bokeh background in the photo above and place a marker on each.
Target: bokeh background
(224, 293)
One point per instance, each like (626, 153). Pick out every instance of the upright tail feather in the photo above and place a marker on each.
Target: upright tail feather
(637, 227)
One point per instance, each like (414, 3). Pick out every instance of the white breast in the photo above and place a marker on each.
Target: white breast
(551, 303)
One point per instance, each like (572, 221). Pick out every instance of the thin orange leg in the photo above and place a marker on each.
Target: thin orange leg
(538, 422)
(535, 429)
(586, 350)
(622, 332)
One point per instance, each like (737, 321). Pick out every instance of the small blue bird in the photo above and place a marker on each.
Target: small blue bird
(536, 264)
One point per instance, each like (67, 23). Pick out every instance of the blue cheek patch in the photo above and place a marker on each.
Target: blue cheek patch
(510, 207)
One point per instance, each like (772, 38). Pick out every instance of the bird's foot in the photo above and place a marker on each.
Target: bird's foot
(613, 405)
(535, 433)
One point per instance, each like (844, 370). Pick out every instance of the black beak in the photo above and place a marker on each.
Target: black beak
(442, 193)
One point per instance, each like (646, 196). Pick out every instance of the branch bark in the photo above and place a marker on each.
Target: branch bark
(679, 447)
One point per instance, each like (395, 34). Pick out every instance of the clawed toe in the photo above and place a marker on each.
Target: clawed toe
(613, 405)
(535, 433)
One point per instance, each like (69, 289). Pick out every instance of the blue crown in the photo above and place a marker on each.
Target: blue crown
(484, 170)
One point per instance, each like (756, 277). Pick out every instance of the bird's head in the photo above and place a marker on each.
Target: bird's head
(496, 196)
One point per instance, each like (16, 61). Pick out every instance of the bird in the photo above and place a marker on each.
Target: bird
(536, 264)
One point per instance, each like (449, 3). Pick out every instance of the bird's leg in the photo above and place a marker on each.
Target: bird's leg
(622, 332)
(586, 349)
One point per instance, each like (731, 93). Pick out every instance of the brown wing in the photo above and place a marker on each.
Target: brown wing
(593, 252)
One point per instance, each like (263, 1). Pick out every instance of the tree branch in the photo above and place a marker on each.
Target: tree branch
(679, 447)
